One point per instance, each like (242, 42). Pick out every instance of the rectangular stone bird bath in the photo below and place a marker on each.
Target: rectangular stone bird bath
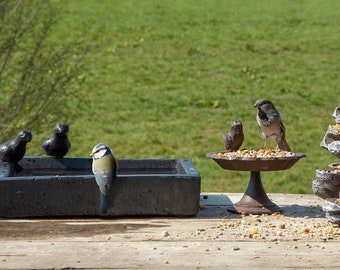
(48, 187)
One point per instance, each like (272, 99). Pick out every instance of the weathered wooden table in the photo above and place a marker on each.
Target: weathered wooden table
(301, 238)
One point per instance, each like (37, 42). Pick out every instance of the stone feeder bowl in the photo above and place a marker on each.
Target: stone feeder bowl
(255, 199)
(49, 187)
(327, 182)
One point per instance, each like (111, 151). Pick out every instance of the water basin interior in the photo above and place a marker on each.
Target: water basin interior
(83, 166)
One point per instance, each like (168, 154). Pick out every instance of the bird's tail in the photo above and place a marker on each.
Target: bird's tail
(103, 203)
(283, 145)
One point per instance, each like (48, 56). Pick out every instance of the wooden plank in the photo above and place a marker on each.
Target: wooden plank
(168, 254)
(300, 238)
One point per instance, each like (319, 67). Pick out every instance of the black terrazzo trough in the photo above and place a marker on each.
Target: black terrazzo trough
(48, 187)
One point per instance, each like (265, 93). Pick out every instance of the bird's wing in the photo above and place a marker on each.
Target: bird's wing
(283, 130)
(273, 117)
(226, 137)
(46, 143)
(104, 180)
(4, 150)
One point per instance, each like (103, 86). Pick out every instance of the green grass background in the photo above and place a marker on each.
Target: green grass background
(165, 79)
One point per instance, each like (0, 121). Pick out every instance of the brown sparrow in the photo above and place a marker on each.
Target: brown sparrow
(234, 139)
(269, 120)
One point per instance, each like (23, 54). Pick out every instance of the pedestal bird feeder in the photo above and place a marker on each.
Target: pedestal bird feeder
(255, 199)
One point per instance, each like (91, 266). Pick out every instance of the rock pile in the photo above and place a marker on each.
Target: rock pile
(327, 182)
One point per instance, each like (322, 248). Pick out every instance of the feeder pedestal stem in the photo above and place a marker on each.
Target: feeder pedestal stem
(255, 200)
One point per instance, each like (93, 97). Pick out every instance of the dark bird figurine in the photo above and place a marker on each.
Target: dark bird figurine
(58, 144)
(234, 139)
(269, 120)
(104, 168)
(13, 151)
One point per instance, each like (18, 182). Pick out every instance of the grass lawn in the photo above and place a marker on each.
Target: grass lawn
(166, 78)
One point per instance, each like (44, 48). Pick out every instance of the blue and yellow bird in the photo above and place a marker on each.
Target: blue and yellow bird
(104, 168)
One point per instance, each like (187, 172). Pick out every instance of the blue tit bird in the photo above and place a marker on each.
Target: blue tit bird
(14, 150)
(104, 168)
(58, 144)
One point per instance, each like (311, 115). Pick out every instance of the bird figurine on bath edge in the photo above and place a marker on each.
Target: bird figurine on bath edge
(58, 144)
(14, 150)
(104, 168)
(269, 120)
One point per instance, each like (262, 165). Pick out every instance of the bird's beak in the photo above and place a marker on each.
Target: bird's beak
(91, 155)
